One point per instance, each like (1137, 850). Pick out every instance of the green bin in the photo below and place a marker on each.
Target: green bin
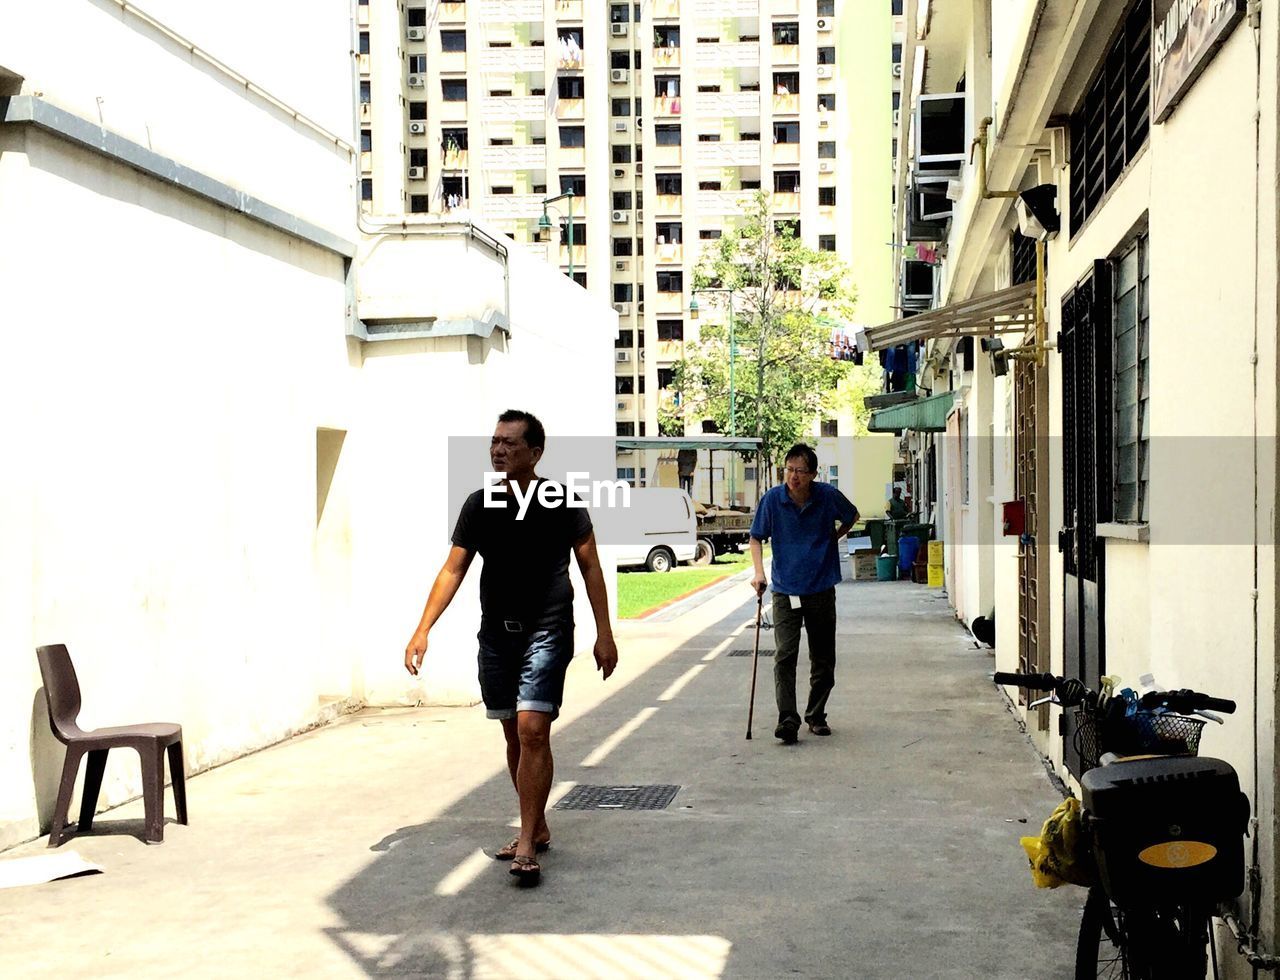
(875, 529)
(886, 568)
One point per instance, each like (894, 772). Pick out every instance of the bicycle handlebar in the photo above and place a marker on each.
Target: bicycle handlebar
(1072, 692)
(1036, 682)
(1185, 701)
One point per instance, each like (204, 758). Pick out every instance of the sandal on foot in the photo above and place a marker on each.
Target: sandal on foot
(509, 852)
(526, 868)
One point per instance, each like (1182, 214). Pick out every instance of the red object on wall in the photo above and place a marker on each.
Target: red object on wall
(1015, 517)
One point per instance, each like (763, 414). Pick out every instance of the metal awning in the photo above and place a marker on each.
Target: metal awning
(923, 415)
(742, 444)
(1011, 310)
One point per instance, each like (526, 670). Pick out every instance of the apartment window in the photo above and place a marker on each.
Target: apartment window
(453, 139)
(826, 56)
(579, 233)
(619, 13)
(502, 190)
(1129, 325)
(669, 232)
(366, 93)
(580, 278)
(666, 36)
(709, 234)
(789, 228)
(749, 473)
(1113, 122)
(627, 473)
(364, 42)
(826, 197)
(830, 428)
(708, 88)
(786, 33)
(419, 203)
(417, 15)
(827, 150)
(665, 377)
(786, 132)
(627, 429)
(708, 185)
(897, 101)
(622, 246)
(671, 330)
(574, 182)
(453, 40)
(826, 243)
(418, 157)
(670, 281)
(827, 102)
(625, 339)
(622, 292)
(826, 8)
(453, 187)
(622, 200)
(569, 86)
(708, 137)
(639, 107)
(621, 153)
(454, 89)
(666, 135)
(501, 141)
(749, 185)
(366, 140)
(366, 190)
(635, 59)
(666, 85)
(895, 7)
(786, 181)
(619, 59)
(620, 107)
(669, 184)
(417, 110)
(897, 54)
(572, 136)
(786, 83)
(571, 34)
(624, 384)
(417, 64)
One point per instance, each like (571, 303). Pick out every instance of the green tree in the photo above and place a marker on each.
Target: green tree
(785, 297)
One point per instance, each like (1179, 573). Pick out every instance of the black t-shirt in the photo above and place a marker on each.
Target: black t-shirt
(525, 577)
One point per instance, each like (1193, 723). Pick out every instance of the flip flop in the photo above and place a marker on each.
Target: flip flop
(526, 868)
(509, 852)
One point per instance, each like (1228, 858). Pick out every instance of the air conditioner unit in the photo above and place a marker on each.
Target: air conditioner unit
(417, 128)
(619, 74)
(621, 265)
(619, 171)
(416, 81)
(639, 169)
(639, 215)
(618, 30)
(642, 349)
(622, 406)
(824, 24)
(640, 309)
(623, 356)
(416, 34)
(897, 70)
(823, 121)
(897, 117)
(619, 125)
(619, 217)
(824, 166)
(417, 173)
(824, 71)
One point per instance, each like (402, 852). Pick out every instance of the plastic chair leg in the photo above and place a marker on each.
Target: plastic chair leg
(70, 769)
(153, 790)
(178, 775)
(97, 762)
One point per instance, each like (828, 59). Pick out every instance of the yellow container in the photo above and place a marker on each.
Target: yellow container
(935, 576)
(935, 554)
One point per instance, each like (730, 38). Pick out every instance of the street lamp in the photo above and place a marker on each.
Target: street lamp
(544, 223)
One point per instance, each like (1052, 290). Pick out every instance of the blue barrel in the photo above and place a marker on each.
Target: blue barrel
(908, 548)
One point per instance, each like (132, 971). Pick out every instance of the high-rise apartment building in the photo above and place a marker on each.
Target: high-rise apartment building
(661, 117)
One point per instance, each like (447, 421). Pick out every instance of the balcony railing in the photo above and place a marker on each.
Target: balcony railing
(785, 54)
(666, 8)
(723, 202)
(666, 57)
(362, 63)
(668, 303)
(519, 108)
(786, 153)
(570, 108)
(729, 104)
(508, 207)
(786, 105)
(667, 105)
(508, 11)
(786, 202)
(506, 61)
(569, 9)
(366, 162)
(453, 111)
(571, 156)
(452, 13)
(720, 9)
(510, 158)
(667, 253)
(742, 154)
(735, 54)
(452, 61)
(668, 204)
(670, 350)
(457, 159)
(667, 156)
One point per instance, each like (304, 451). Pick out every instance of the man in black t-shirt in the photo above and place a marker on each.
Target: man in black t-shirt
(524, 530)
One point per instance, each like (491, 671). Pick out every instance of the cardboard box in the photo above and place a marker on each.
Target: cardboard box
(863, 565)
(935, 553)
(935, 576)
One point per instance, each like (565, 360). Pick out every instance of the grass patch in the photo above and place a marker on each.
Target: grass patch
(640, 592)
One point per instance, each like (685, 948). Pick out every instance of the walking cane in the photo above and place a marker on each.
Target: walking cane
(755, 659)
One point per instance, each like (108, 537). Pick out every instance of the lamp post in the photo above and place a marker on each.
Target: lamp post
(733, 352)
(544, 223)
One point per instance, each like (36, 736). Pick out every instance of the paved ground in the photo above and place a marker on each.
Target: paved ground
(887, 850)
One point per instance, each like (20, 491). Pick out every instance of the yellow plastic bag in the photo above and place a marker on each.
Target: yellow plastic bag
(1061, 854)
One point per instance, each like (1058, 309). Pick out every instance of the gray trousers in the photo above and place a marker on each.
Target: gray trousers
(817, 614)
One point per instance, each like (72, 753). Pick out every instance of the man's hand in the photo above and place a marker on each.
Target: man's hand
(414, 652)
(606, 653)
(759, 583)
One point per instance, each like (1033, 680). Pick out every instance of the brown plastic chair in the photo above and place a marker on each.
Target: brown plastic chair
(62, 694)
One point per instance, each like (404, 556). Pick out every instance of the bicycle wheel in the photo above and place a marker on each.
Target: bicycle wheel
(1101, 946)
(1167, 943)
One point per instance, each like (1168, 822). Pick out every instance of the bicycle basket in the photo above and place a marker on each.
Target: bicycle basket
(1143, 733)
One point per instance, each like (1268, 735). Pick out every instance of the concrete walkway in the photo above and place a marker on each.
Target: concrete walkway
(887, 850)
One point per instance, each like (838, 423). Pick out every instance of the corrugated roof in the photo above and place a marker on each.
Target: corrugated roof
(924, 415)
(1011, 310)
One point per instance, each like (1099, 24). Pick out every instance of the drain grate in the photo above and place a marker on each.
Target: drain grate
(747, 651)
(655, 797)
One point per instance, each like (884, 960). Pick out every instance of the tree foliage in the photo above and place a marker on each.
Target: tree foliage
(786, 297)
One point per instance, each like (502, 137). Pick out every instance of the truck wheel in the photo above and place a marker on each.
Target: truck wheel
(704, 552)
(660, 560)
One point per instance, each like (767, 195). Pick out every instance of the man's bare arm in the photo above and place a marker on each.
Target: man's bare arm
(758, 581)
(448, 581)
(606, 650)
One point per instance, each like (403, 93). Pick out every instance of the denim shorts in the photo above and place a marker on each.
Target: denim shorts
(524, 671)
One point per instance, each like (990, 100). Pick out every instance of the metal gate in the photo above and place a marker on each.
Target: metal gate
(1029, 443)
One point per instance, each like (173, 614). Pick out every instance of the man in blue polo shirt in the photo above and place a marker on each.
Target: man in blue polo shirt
(805, 520)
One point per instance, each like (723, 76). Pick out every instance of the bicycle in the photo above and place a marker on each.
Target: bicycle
(1163, 826)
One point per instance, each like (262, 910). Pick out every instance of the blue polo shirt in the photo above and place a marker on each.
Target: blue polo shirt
(806, 556)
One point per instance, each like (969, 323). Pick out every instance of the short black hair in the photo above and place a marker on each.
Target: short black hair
(535, 436)
(801, 450)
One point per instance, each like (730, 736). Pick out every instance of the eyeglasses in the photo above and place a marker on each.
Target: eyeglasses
(792, 471)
